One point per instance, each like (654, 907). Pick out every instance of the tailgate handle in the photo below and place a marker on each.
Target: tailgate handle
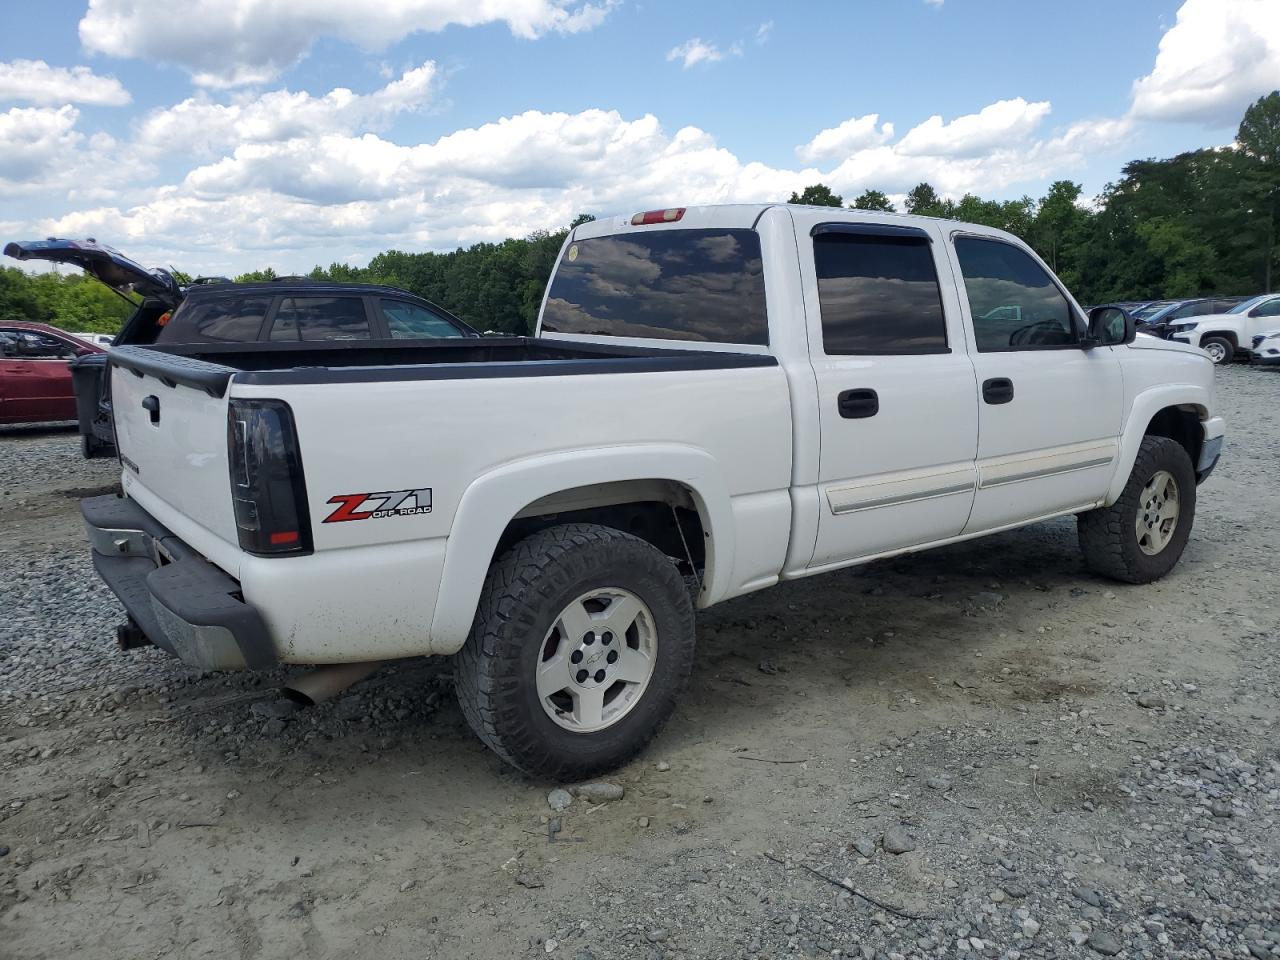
(151, 404)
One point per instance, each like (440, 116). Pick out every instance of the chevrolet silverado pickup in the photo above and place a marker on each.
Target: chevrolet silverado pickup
(717, 398)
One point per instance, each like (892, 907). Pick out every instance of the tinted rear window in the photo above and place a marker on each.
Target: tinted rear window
(705, 285)
(216, 320)
(320, 318)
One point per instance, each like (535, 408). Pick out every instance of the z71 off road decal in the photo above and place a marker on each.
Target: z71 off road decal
(372, 506)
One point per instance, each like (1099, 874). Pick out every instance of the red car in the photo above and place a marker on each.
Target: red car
(35, 381)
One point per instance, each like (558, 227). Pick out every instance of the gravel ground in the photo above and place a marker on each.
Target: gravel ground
(981, 751)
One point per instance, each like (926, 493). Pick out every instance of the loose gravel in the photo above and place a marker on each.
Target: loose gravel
(980, 751)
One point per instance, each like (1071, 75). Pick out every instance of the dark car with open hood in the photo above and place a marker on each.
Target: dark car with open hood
(215, 311)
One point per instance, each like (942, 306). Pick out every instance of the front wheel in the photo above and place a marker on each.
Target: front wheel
(582, 642)
(1219, 349)
(1141, 536)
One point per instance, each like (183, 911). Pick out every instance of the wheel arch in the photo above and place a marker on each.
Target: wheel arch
(1176, 411)
(1228, 335)
(572, 486)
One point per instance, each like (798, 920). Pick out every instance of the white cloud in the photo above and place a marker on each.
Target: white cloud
(856, 133)
(335, 192)
(934, 3)
(200, 125)
(695, 51)
(34, 81)
(1219, 56)
(226, 44)
(991, 128)
(37, 146)
(763, 32)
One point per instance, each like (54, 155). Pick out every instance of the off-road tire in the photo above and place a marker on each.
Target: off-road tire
(1228, 351)
(1107, 535)
(525, 590)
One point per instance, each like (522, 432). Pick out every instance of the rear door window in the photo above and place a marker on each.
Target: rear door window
(320, 318)
(702, 285)
(878, 294)
(408, 321)
(216, 320)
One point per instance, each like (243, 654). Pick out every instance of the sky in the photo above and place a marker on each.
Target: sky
(220, 136)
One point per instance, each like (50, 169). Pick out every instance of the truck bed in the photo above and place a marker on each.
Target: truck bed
(212, 367)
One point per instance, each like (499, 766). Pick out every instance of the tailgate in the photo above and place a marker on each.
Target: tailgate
(172, 439)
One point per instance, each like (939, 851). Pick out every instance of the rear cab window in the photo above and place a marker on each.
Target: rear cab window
(702, 285)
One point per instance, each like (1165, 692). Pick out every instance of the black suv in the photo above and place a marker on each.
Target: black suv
(287, 310)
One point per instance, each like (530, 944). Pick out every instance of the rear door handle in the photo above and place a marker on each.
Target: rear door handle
(151, 404)
(858, 404)
(997, 390)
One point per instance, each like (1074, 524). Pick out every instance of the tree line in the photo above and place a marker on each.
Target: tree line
(1201, 223)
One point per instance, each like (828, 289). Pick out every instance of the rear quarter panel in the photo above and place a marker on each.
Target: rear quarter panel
(376, 594)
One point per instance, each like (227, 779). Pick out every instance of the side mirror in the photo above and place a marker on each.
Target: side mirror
(1111, 326)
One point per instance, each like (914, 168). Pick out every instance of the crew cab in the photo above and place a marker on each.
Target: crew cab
(215, 310)
(1225, 336)
(717, 399)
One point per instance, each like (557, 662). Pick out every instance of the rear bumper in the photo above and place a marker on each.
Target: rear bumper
(183, 603)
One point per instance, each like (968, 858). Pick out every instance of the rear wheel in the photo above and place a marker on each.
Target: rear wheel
(1141, 536)
(582, 642)
(1219, 349)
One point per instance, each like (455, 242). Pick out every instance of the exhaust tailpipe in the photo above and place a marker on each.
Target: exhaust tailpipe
(327, 681)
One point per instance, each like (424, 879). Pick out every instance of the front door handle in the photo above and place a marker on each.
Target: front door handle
(997, 390)
(858, 404)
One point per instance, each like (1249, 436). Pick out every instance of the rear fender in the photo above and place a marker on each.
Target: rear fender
(495, 499)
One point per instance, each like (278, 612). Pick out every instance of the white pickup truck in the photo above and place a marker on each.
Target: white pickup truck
(717, 398)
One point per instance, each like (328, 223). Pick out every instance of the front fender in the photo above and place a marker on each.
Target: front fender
(496, 497)
(1145, 406)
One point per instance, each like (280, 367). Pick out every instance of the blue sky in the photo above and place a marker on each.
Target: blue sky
(196, 139)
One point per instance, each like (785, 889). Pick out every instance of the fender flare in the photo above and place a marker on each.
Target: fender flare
(490, 503)
(1145, 406)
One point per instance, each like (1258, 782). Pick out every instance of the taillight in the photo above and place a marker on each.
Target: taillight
(267, 486)
(670, 215)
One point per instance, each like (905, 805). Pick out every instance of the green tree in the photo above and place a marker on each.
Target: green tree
(924, 201)
(873, 200)
(1258, 139)
(1059, 225)
(817, 195)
